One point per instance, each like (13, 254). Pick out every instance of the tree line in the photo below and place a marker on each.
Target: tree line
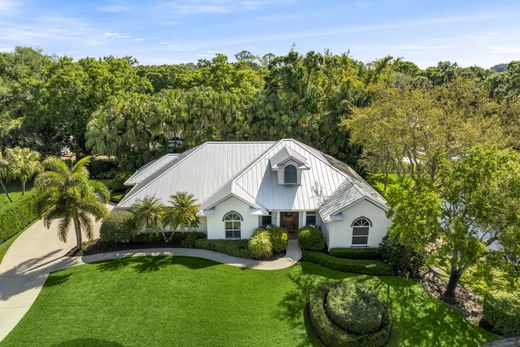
(114, 106)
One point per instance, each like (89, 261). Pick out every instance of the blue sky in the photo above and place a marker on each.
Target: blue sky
(468, 32)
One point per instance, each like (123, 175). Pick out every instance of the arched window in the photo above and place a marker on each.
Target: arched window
(360, 229)
(232, 224)
(289, 174)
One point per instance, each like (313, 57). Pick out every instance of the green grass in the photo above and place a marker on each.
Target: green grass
(195, 302)
(116, 197)
(15, 192)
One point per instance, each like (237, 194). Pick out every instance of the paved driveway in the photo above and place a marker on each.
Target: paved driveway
(25, 267)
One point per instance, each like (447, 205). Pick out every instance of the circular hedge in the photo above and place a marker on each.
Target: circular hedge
(349, 315)
(502, 312)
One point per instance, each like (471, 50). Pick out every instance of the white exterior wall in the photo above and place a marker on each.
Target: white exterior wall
(215, 225)
(340, 232)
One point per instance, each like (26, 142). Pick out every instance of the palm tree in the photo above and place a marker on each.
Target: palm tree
(149, 213)
(4, 174)
(72, 197)
(24, 164)
(182, 214)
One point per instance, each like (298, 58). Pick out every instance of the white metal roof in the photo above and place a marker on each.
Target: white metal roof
(216, 170)
(147, 170)
(201, 171)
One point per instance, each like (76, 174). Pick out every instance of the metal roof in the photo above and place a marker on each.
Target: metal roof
(149, 169)
(201, 171)
(215, 171)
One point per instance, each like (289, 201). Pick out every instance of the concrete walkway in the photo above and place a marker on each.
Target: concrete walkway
(38, 252)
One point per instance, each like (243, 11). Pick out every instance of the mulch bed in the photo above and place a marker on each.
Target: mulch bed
(467, 302)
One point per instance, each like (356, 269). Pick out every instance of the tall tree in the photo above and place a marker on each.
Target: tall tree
(456, 222)
(70, 196)
(24, 164)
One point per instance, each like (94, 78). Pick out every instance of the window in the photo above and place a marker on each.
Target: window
(310, 218)
(232, 223)
(266, 220)
(289, 174)
(360, 228)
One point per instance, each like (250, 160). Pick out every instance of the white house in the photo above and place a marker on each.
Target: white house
(243, 185)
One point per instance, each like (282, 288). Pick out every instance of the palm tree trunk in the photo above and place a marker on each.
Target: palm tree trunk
(77, 229)
(23, 187)
(5, 191)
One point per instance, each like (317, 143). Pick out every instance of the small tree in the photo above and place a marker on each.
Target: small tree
(475, 206)
(70, 196)
(24, 164)
(182, 214)
(149, 213)
(5, 174)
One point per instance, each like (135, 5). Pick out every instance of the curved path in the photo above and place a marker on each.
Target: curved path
(38, 252)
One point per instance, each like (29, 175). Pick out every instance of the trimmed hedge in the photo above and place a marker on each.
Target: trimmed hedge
(310, 237)
(360, 266)
(333, 335)
(17, 215)
(354, 309)
(186, 239)
(355, 253)
(236, 248)
(502, 312)
(118, 226)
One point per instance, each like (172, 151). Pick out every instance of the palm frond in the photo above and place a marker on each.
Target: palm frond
(87, 225)
(55, 164)
(63, 228)
(100, 189)
(81, 165)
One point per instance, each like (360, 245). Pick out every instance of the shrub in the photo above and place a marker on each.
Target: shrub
(360, 266)
(502, 312)
(355, 253)
(236, 248)
(310, 237)
(278, 237)
(17, 215)
(260, 245)
(354, 308)
(119, 226)
(403, 259)
(335, 333)
(187, 239)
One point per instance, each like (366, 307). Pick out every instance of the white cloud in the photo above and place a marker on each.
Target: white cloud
(8, 5)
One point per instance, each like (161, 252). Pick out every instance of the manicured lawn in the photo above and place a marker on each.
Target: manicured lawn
(195, 302)
(15, 192)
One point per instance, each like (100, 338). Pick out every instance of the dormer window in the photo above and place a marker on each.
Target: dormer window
(288, 165)
(290, 174)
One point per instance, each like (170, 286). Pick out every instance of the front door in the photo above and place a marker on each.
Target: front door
(289, 221)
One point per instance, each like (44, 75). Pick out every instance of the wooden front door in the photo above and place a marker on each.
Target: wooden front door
(289, 221)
